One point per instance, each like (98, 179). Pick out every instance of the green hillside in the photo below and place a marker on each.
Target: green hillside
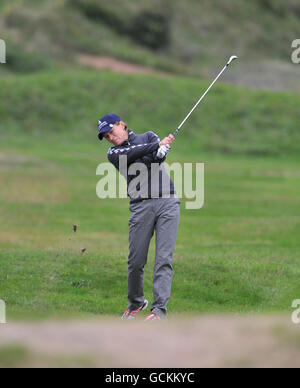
(192, 37)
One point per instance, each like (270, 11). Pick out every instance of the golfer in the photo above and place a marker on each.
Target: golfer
(154, 206)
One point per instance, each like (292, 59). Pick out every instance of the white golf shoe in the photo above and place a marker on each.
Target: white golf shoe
(132, 314)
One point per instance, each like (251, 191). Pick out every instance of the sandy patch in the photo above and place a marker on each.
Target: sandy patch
(106, 63)
(206, 341)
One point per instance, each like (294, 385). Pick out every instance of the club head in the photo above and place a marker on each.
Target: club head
(232, 58)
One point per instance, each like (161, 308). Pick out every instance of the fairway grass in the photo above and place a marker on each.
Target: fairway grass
(240, 253)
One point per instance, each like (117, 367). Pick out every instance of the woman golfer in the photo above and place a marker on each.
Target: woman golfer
(154, 206)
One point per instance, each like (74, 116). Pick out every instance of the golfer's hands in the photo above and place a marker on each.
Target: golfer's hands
(165, 146)
(163, 151)
(167, 141)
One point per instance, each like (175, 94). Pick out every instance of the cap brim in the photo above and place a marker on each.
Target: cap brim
(101, 134)
(103, 131)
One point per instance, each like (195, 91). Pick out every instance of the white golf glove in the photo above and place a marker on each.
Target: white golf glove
(163, 151)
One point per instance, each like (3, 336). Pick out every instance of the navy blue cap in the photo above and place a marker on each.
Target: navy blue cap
(106, 123)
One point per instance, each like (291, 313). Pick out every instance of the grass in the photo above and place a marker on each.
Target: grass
(12, 356)
(240, 253)
(19, 356)
(231, 120)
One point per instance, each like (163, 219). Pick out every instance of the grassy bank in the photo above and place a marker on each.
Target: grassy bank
(230, 120)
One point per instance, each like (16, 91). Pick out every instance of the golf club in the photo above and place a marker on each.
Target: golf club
(232, 58)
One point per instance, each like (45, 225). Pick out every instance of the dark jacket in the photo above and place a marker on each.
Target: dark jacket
(143, 149)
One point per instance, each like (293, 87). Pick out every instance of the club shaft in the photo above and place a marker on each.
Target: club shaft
(212, 84)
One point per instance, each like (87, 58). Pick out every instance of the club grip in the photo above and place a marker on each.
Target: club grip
(176, 132)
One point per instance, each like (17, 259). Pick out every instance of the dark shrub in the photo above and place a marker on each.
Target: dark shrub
(151, 29)
(99, 13)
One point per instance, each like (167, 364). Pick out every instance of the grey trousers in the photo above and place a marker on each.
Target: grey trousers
(162, 216)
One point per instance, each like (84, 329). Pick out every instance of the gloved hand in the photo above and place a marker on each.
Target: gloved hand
(163, 151)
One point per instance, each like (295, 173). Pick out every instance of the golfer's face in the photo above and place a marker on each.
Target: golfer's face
(117, 135)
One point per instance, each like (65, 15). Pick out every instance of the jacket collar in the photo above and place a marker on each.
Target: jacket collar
(131, 136)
